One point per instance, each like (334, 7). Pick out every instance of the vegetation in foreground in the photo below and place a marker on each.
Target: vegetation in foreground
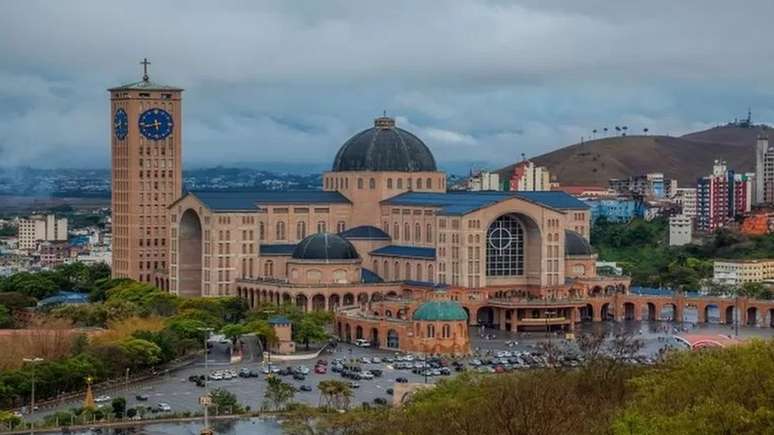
(714, 391)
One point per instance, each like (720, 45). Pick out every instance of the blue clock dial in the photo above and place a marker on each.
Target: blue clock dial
(120, 124)
(155, 124)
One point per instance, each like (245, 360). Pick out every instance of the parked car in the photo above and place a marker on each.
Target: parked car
(361, 342)
(389, 391)
(320, 370)
(305, 388)
(164, 407)
(376, 372)
(299, 377)
(103, 398)
(380, 401)
(142, 397)
(354, 384)
(401, 380)
(244, 373)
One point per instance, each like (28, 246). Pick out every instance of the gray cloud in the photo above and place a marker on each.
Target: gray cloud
(477, 80)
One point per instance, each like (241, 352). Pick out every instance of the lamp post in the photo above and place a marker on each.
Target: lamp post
(205, 399)
(32, 361)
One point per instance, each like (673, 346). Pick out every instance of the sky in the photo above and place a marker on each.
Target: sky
(480, 82)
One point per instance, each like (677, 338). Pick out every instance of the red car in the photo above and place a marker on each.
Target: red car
(320, 370)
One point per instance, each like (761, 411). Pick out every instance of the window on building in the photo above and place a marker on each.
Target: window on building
(280, 230)
(300, 230)
(505, 247)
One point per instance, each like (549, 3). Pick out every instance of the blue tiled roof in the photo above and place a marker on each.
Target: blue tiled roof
(406, 251)
(651, 291)
(429, 284)
(460, 203)
(367, 276)
(238, 200)
(365, 232)
(277, 249)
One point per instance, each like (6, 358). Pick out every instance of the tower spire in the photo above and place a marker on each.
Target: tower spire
(145, 64)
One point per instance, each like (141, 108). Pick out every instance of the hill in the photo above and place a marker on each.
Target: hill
(685, 158)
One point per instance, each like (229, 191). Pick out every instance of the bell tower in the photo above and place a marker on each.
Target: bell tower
(146, 144)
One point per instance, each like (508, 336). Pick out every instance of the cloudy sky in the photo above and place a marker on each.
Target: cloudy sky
(478, 81)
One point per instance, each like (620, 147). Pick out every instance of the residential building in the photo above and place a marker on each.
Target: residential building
(620, 209)
(484, 180)
(41, 228)
(527, 177)
(738, 272)
(764, 171)
(680, 230)
(685, 197)
(721, 196)
(651, 185)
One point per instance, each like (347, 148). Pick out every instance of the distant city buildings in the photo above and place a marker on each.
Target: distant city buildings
(37, 229)
(721, 196)
(651, 185)
(685, 198)
(527, 177)
(764, 171)
(738, 272)
(484, 180)
(680, 230)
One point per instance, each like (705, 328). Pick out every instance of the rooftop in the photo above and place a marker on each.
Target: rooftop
(250, 200)
(405, 251)
(461, 203)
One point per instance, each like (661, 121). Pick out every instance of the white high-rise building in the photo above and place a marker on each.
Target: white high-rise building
(41, 228)
(680, 230)
(527, 177)
(685, 197)
(764, 171)
(484, 180)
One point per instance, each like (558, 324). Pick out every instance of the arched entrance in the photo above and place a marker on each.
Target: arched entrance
(333, 302)
(318, 302)
(668, 312)
(513, 246)
(393, 340)
(301, 301)
(359, 332)
(349, 299)
(771, 317)
(690, 314)
(587, 313)
(649, 312)
(362, 298)
(752, 316)
(711, 313)
(376, 297)
(189, 255)
(629, 311)
(606, 313)
(374, 338)
(730, 314)
(485, 316)
(348, 332)
(286, 299)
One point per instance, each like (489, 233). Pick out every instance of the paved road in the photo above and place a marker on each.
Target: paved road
(175, 389)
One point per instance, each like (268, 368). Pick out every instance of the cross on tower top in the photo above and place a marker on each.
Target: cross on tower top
(145, 64)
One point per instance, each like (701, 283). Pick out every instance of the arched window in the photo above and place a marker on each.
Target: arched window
(300, 230)
(408, 183)
(393, 341)
(376, 267)
(268, 268)
(446, 331)
(429, 183)
(261, 231)
(406, 231)
(408, 271)
(430, 275)
(419, 183)
(280, 230)
(429, 233)
(419, 272)
(417, 232)
(396, 231)
(340, 226)
(400, 183)
(389, 183)
(244, 268)
(430, 331)
(386, 272)
(505, 247)
(321, 226)
(346, 183)
(372, 184)
(360, 183)
(397, 271)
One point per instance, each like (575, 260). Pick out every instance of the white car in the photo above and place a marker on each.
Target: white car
(367, 375)
(361, 342)
(376, 360)
(164, 407)
(103, 398)
(303, 370)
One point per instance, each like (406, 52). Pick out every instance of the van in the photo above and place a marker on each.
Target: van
(360, 342)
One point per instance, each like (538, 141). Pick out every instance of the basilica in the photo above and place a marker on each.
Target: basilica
(402, 262)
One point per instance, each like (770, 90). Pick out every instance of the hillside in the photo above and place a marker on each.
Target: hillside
(685, 158)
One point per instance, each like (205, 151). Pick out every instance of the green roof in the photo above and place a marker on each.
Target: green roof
(440, 311)
(145, 85)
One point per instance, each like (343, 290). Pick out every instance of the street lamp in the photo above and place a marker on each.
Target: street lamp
(205, 399)
(32, 361)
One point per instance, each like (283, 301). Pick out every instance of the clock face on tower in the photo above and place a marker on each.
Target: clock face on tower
(155, 124)
(120, 124)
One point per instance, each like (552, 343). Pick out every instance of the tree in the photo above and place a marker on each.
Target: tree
(224, 402)
(144, 353)
(233, 331)
(6, 319)
(278, 392)
(119, 407)
(334, 393)
(36, 285)
(309, 329)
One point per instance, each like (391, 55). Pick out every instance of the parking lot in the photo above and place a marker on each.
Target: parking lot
(498, 348)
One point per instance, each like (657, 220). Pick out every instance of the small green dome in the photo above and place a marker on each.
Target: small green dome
(440, 311)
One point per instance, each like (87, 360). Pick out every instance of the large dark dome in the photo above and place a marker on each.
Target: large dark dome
(384, 147)
(325, 246)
